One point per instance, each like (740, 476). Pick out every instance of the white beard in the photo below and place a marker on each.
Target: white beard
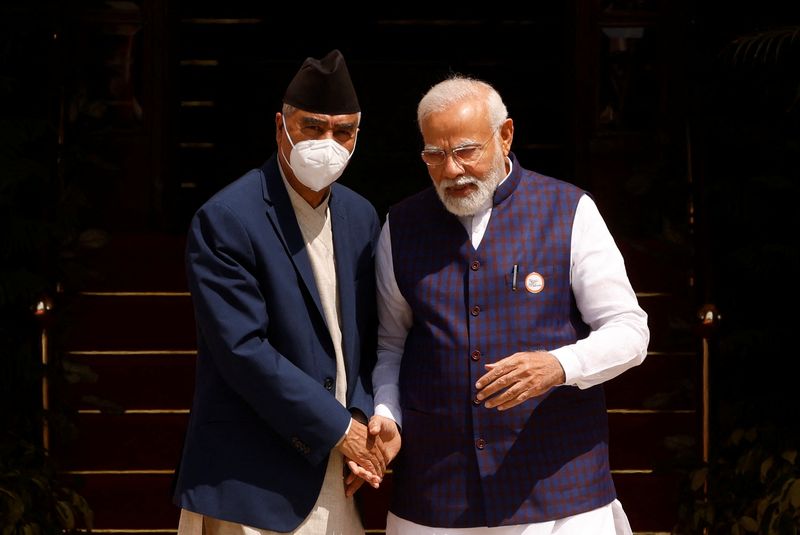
(467, 206)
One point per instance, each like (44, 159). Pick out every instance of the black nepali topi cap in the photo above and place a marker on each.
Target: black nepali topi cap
(323, 86)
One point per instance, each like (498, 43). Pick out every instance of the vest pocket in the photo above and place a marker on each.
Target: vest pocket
(540, 306)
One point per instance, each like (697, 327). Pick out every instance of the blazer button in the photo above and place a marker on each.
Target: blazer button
(328, 383)
(475, 266)
(300, 446)
(476, 355)
(476, 402)
(480, 443)
(475, 310)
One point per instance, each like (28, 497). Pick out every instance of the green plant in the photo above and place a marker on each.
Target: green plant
(751, 482)
(752, 485)
(37, 230)
(33, 499)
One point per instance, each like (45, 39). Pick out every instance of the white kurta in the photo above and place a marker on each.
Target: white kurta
(618, 341)
(333, 513)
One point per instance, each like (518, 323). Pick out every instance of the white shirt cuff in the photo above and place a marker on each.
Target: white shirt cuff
(391, 412)
(345, 433)
(570, 363)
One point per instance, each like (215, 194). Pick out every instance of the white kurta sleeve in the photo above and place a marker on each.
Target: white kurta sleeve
(619, 334)
(394, 316)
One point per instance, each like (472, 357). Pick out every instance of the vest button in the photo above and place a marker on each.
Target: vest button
(328, 383)
(480, 443)
(475, 265)
(476, 355)
(476, 402)
(475, 310)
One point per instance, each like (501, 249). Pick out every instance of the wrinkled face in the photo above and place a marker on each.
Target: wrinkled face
(467, 178)
(302, 125)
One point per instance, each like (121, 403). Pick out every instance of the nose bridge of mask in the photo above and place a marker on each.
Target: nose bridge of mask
(323, 152)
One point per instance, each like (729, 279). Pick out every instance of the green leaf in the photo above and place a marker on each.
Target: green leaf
(16, 507)
(746, 463)
(794, 494)
(765, 466)
(762, 506)
(699, 478)
(81, 506)
(76, 373)
(748, 524)
(40, 482)
(65, 515)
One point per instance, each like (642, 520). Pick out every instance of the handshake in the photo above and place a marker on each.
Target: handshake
(368, 450)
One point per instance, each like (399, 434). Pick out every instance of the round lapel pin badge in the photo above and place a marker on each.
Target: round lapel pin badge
(534, 282)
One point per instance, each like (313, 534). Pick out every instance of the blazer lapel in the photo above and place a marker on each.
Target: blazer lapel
(345, 277)
(281, 214)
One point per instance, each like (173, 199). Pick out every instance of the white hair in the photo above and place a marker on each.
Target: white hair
(458, 88)
(287, 109)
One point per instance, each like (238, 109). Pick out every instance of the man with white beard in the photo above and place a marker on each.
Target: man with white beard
(504, 305)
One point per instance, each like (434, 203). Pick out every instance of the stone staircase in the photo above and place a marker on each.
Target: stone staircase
(132, 326)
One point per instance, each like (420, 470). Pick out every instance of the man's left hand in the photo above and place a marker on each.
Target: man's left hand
(385, 435)
(351, 481)
(518, 378)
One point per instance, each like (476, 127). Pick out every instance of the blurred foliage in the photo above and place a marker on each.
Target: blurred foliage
(33, 500)
(39, 218)
(753, 486)
(746, 88)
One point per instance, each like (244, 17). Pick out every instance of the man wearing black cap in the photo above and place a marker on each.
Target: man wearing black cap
(280, 267)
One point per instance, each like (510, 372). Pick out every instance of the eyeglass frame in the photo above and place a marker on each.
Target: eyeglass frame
(454, 152)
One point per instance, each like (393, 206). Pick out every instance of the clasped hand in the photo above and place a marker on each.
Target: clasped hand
(368, 451)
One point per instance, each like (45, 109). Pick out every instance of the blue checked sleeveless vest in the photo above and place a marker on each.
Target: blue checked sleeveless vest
(461, 464)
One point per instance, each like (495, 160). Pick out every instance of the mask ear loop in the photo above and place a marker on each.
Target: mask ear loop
(355, 142)
(286, 130)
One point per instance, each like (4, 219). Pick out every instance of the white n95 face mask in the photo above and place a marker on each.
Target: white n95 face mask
(317, 163)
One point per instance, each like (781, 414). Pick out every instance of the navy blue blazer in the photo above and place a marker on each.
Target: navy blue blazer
(264, 416)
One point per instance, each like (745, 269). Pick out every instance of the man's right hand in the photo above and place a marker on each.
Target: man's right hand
(359, 446)
(386, 429)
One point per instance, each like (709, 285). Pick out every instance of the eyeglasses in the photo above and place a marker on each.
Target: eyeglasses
(464, 155)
